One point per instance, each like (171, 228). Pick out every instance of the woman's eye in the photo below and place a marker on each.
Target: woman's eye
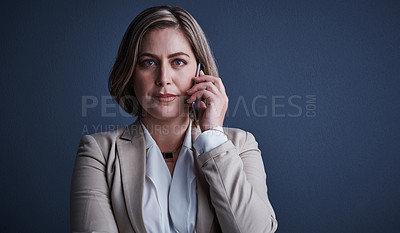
(179, 62)
(147, 63)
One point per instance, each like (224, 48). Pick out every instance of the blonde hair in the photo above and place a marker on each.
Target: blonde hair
(119, 83)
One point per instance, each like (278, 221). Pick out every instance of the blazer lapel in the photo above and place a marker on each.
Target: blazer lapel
(132, 154)
(205, 210)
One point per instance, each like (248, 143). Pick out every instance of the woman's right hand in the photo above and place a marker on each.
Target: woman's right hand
(212, 110)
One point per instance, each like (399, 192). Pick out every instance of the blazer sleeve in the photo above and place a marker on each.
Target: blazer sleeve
(91, 209)
(238, 189)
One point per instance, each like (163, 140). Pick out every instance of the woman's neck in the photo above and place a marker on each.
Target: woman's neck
(168, 134)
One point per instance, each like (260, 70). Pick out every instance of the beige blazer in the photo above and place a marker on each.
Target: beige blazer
(109, 174)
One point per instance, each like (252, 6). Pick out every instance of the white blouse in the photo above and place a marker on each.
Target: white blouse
(170, 204)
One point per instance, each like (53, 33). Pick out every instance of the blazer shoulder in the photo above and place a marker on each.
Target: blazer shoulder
(104, 140)
(112, 135)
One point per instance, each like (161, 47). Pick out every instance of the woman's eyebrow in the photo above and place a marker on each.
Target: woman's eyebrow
(178, 54)
(148, 55)
(169, 56)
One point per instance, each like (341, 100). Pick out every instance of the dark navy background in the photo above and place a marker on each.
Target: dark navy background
(317, 83)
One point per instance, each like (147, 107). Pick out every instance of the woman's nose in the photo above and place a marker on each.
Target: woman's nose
(164, 76)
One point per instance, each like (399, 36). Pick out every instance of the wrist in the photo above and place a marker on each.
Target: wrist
(203, 129)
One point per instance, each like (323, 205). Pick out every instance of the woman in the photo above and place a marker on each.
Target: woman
(167, 172)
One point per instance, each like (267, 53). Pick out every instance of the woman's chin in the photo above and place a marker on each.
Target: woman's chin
(167, 113)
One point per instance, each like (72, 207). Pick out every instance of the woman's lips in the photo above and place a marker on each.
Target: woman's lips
(165, 97)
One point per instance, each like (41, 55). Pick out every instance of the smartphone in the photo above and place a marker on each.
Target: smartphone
(196, 103)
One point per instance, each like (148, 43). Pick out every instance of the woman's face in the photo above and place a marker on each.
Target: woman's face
(163, 74)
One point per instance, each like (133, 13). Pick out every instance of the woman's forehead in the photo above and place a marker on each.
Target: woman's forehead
(165, 41)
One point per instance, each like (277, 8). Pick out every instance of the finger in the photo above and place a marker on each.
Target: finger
(203, 94)
(214, 80)
(205, 78)
(201, 106)
(203, 86)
